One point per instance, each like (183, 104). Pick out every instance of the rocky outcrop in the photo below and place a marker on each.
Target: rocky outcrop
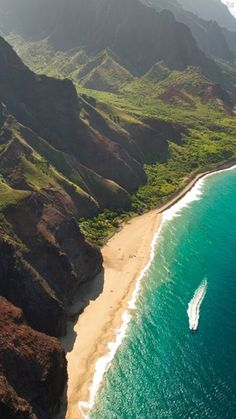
(32, 368)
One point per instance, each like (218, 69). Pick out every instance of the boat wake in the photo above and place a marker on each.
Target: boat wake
(194, 306)
(103, 364)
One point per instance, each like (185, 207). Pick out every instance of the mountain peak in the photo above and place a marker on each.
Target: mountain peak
(134, 32)
(211, 10)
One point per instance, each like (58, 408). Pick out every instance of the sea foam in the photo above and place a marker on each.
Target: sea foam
(194, 194)
(103, 364)
(194, 306)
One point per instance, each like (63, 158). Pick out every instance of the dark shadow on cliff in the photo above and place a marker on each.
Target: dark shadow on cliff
(61, 410)
(86, 293)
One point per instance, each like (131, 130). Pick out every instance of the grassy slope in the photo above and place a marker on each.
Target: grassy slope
(103, 70)
(108, 76)
(34, 172)
(10, 196)
(210, 136)
(210, 139)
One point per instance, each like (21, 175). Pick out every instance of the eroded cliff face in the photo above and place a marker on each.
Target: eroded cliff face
(43, 260)
(43, 255)
(32, 368)
(60, 159)
(48, 261)
(51, 109)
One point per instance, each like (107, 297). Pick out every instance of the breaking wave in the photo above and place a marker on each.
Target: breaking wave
(103, 364)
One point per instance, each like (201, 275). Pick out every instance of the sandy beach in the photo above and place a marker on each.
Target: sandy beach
(125, 255)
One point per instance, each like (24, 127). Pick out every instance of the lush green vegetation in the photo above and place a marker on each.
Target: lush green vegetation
(213, 142)
(10, 196)
(103, 226)
(102, 71)
(209, 132)
(164, 180)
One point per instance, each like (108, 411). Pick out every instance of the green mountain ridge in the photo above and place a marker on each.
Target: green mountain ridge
(102, 72)
(136, 110)
(135, 34)
(86, 62)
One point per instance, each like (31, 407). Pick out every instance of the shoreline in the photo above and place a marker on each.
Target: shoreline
(93, 341)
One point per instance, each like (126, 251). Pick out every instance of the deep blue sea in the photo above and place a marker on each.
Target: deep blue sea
(163, 369)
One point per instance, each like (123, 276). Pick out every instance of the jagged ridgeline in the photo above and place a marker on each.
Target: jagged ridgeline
(128, 38)
(112, 107)
(210, 29)
(133, 32)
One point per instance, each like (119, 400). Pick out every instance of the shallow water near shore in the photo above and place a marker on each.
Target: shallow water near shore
(162, 369)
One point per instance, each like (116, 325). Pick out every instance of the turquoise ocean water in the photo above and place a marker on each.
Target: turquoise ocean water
(162, 369)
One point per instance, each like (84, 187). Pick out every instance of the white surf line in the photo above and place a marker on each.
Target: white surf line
(103, 363)
(194, 194)
(194, 306)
